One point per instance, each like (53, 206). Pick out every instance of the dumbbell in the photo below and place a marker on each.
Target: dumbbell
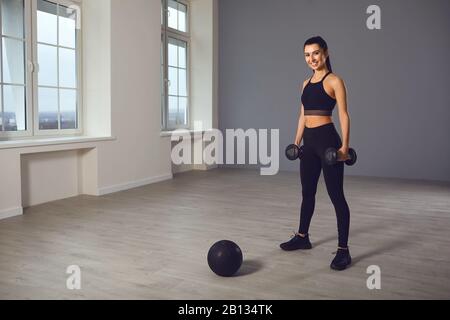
(293, 152)
(331, 157)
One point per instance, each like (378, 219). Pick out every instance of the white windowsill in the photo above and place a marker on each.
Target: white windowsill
(178, 134)
(10, 144)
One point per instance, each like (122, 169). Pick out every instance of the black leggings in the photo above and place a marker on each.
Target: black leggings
(316, 142)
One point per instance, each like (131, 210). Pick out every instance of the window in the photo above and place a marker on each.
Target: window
(175, 64)
(40, 74)
(14, 79)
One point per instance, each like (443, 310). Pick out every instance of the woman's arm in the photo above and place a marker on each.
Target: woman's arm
(300, 127)
(341, 97)
(301, 121)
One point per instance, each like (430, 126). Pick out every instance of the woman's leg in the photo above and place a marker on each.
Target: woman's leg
(334, 180)
(310, 168)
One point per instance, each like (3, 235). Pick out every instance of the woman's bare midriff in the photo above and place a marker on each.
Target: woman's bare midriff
(317, 121)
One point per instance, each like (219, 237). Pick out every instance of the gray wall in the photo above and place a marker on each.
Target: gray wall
(397, 77)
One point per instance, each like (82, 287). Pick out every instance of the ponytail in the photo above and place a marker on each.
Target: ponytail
(329, 64)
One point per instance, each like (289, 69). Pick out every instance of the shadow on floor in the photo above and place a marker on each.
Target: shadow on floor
(361, 230)
(249, 267)
(387, 247)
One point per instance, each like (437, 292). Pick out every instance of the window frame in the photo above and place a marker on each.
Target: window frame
(31, 68)
(28, 76)
(167, 32)
(78, 53)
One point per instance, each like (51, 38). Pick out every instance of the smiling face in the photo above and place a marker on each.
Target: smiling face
(315, 57)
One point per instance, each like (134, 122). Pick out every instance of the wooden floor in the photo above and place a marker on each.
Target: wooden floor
(151, 242)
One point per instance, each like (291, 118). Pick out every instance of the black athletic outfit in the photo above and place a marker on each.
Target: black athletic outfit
(316, 141)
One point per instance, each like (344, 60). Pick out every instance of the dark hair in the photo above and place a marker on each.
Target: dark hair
(323, 44)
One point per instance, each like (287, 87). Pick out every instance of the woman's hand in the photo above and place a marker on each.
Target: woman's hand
(343, 154)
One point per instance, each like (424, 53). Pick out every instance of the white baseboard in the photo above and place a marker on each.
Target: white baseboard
(181, 168)
(193, 167)
(134, 184)
(9, 213)
(204, 167)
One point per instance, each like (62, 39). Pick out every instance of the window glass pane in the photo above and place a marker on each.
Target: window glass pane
(1, 109)
(12, 18)
(173, 52)
(14, 108)
(182, 54)
(182, 111)
(173, 81)
(162, 84)
(48, 71)
(68, 109)
(48, 109)
(67, 26)
(177, 53)
(182, 82)
(162, 80)
(173, 111)
(13, 61)
(47, 22)
(161, 57)
(173, 14)
(67, 68)
(163, 112)
(162, 12)
(182, 10)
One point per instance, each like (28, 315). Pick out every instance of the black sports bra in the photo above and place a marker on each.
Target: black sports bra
(316, 100)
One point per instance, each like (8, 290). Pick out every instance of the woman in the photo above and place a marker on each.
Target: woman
(316, 128)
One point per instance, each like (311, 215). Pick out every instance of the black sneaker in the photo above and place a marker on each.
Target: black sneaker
(342, 260)
(297, 242)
